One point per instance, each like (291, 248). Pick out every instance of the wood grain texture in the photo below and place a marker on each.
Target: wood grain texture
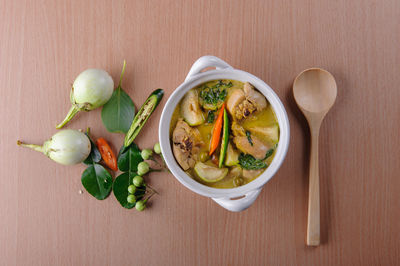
(44, 45)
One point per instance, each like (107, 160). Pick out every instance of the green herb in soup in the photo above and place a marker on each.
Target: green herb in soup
(212, 96)
(248, 162)
(248, 134)
(210, 116)
(246, 138)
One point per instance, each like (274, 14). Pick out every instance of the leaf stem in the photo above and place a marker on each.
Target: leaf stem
(71, 113)
(122, 73)
(31, 146)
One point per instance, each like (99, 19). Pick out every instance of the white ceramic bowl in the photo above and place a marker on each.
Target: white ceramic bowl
(250, 191)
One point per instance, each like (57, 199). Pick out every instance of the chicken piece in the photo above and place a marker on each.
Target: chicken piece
(234, 100)
(244, 109)
(186, 144)
(238, 130)
(241, 103)
(253, 96)
(257, 150)
(249, 174)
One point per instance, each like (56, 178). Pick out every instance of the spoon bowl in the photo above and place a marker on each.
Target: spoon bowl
(315, 92)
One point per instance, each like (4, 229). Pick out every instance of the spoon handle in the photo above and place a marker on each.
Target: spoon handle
(313, 223)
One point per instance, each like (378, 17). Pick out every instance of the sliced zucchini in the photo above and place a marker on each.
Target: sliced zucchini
(210, 173)
(235, 171)
(190, 109)
(232, 156)
(225, 139)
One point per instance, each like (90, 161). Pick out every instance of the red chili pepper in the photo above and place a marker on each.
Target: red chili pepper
(107, 154)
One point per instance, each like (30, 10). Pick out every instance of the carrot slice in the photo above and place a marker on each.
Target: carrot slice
(216, 133)
(107, 154)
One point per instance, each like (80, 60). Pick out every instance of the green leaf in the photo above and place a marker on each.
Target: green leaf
(269, 153)
(248, 135)
(118, 113)
(120, 189)
(248, 162)
(94, 155)
(97, 181)
(210, 116)
(213, 97)
(129, 158)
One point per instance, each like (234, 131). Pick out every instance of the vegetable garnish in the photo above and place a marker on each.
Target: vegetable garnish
(107, 154)
(269, 152)
(143, 115)
(94, 156)
(117, 114)
(248, 162)
(248, 135)
(210, 116)
(130, 187)
(225, 140)
(96, 179)
(91, 89)
(216, 133)
(213, 97)
(65, 147)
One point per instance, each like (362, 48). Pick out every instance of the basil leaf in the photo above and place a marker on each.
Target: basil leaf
(94, 155)
(117, 114)
(97, 181)
(248, 135)
(129, 158)
(210, 117)
(269, 153)
(248, 162)
(120, 189)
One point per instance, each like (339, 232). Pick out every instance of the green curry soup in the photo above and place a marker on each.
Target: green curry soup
(236, 121)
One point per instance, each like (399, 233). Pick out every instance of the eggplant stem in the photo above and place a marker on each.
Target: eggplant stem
(156, 170)
(31, 146)
(71, 113)
(153, 190)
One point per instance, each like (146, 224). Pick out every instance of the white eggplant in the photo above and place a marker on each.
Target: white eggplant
(91, 89)
(65, 147)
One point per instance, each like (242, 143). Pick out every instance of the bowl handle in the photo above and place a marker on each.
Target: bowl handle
(238, 204)
(204, 62)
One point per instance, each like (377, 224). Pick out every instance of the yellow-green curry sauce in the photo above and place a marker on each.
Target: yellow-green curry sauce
(265, 117)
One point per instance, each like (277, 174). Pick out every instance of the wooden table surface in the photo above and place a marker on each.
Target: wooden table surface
(44, 45)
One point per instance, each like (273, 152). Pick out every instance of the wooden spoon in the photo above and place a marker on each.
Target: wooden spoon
(315, 92)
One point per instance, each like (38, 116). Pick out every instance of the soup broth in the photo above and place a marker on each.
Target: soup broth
(233, 119)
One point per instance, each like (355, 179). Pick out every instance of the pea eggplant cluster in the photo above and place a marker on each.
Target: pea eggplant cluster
(137, 191)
